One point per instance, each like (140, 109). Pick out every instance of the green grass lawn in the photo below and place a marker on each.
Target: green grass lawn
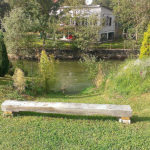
(34, 131)
(118, 44)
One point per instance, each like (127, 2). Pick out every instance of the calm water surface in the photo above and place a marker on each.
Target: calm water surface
(71, 76)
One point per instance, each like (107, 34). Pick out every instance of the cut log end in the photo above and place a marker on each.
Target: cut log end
(125, 120)
(7, 113)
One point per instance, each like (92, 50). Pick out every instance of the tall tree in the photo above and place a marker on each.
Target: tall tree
(83, 25)
(17, 38)
(43, 14)
(24, 19)
(133, 21)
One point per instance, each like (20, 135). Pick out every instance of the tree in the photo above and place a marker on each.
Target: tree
(145, 48)
(47, 70)
(133, 21)
(86, 35)
(43, 14)
(4, 62)
(17, 37)
(83, 25)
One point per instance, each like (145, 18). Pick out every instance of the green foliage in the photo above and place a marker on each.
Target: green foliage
(133, 21)
(85, 36)
(35, 16)
(106, 3)
(145, 48)
(93, 68)
(18, 41)
(85, 30)
(19, 80)
(4, 62)
(47, 70)
(91, 65)
(131, 78)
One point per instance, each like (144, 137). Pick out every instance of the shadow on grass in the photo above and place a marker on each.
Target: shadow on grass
(136, 119)
(67, 116)
(68, 96)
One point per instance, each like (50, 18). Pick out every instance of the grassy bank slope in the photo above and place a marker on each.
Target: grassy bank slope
(55, 132)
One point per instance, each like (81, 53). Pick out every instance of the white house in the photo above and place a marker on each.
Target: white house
(105, 18)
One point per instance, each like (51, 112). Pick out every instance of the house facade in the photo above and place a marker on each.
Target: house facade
(105, 19)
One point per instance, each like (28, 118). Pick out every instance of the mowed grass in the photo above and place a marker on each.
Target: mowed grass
(64, 45)
(35, 131)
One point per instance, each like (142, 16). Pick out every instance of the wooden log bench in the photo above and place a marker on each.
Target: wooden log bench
(123, 112)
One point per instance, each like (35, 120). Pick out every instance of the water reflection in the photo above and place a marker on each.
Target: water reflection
(71, 76)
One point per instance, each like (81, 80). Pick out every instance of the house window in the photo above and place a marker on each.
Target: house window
(108, 21)
(111, 35)
(104, 37)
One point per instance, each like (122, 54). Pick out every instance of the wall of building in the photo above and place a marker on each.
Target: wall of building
(106, 28)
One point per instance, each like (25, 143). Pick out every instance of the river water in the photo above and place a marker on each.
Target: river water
(71, 76)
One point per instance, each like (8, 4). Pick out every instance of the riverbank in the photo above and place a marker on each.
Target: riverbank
(51, 131)
(115, 54)
(124, 85)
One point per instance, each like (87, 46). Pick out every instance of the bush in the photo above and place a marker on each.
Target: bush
(91, 65)
(94, 69)
(19, 80)
(47, 71)
(145, 48)
(4, 62)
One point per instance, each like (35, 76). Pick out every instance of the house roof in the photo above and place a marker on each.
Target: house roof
(87, 6)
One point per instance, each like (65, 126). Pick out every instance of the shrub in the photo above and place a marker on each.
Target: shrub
(94, 69)
(19, 80)
(4, 62)
(91, 65)
(145, 48)
(47, 70)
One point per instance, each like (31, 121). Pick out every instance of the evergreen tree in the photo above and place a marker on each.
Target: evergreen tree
(145, 48)
(47, 71)
(4, 62)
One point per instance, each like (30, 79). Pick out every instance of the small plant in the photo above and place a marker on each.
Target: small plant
(99, 78)
(145, 48)
(19, 80)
